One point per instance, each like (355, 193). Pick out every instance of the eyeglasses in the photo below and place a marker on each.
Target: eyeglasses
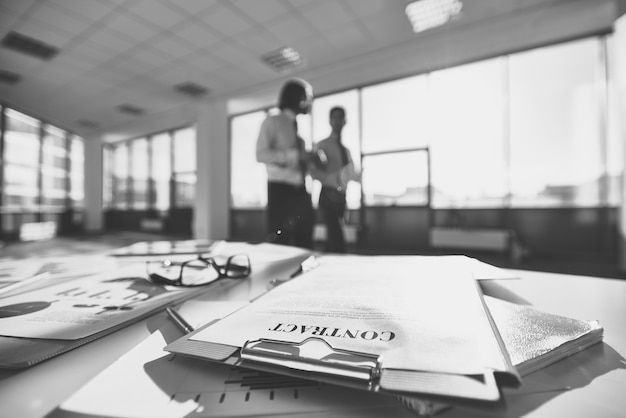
(199, 271)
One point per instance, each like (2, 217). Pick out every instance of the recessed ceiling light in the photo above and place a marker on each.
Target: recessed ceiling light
(89, 124)
(427, 14)
(29, 46)
(130, 109)
(282, 59)
(8, 77)
(191, 89)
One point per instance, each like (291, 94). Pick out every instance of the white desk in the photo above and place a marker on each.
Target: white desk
(596, 376)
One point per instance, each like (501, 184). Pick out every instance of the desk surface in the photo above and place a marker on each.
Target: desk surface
(590, 383)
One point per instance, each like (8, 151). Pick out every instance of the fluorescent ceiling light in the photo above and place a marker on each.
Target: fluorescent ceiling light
(427, 14)
(282, 59)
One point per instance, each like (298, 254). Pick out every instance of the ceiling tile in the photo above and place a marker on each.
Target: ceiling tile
(73, 63)
(16, 6)
(225, 20)
(149, 57)
(258, 41)
(233, 54)
(194, 7)
(368, 7)
(16, 62)
(348, 38)
(175, 73)
(92, 51)
(111, 40)
(55, 76)
(7, 20)
(135, 29)
(43, 32)
(327, 15)
(58, 19)
(158, 13)
(170, 45)
(387, 29)
(92, 10)
(261, 11)
(128, 64)
(197, 34)
(291, 28)
(205, 62)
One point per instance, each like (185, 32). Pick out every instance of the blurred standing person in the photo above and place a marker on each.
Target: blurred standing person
(334, 176)
(290, 215)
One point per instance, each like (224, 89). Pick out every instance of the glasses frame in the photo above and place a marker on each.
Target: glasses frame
(229, 270)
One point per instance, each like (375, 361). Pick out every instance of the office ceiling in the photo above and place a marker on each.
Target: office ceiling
(119, 60)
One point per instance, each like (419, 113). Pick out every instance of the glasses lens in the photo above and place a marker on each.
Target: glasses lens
(238, 266)
(199, 272)
(164, 271)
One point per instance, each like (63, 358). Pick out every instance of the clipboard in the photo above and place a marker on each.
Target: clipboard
(356, 370)
(330, 360)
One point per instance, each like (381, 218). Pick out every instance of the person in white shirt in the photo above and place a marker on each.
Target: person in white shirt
(290, 214)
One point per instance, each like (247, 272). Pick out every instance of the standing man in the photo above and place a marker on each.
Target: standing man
(290, 214)
(334, 176)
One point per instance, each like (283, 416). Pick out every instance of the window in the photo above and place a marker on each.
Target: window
(37, 172)
(148, 172)
(556, 147)
(350, 136)
(139, 173)
(120, 176)
(536, 128)
(184, 170)
(77, 171)
(161, 167)
(21, 162)
(465, 124)
(396, 178)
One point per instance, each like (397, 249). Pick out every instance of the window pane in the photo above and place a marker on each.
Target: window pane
(184, 167)
(185, 187)
(465, 125)
(139, 172)
(77, 171)
(107, 179)
(616, 122)
(185, 150)
(248, 177)
(349, 100)
(161, 170)
(393, 115)
(120, 176)
(21, 156)
(396, 179)
(556, 148)
(53, 169)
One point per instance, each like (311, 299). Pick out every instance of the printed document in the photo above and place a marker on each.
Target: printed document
(418, 313)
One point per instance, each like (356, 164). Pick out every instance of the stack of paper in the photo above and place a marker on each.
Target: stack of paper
(42, 323)
(395, 325)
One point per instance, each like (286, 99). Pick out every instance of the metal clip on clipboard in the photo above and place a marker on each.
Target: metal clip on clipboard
(314, 355)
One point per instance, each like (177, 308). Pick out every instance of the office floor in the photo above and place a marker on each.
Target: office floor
(93, 244)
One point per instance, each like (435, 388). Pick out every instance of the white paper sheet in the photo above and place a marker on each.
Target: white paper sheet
(419, 313)
(150, 383)
(82, 307)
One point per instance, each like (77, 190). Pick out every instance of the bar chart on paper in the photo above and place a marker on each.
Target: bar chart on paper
(147, 382)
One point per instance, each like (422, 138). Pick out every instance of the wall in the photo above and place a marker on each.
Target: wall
(211, 210)
(93, 184)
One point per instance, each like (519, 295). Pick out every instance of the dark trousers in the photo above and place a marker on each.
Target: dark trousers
(332, 206)
(290, 215)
